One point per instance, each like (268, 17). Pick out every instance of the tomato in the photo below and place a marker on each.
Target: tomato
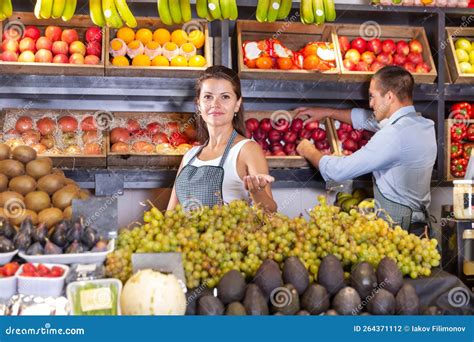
(42, 270)
(56, 271)
(251, 63)
(264, 63)
(9, 269)
(285, 63)
(311, 63)
(29, 268)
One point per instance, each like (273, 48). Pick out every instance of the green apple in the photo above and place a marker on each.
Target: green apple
(471, 57)
(464, 44)
(465, 67)
(462, 55)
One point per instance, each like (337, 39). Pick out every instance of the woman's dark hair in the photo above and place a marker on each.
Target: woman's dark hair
(397, 80)
(220, 72)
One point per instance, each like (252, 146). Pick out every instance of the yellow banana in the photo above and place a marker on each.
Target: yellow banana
(225, 9)
(69, 10)
(96, 14)
(307, 13)
(111, 15)
(164, 12)
(37, 9)
(262, 10)
(125, 13)
(6, 9)
(273, 10)
(318, 8)
(234, 12)
(329, 10)
(58, 8)
(285, 8)
(214, 9)
(175, 10)
(201, 8)
(46, 9)
(186, 13)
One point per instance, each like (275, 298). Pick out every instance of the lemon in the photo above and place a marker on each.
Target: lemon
(196, 38)
(179, 61)
(120, 61)
(179, 37)
(160, 61)
(126, 34)
(197, 61)
(141, 60)
(162, 36)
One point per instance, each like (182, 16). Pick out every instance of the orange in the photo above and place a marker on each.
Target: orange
(285, 63)
(170, 46)
(264, 63)
(179, 61)
(144, 35)
(153, 45)
(179, 37)
(116, 44)
(310, 50)
(161, 36)
(251, 63)
(134, 44)
(188, 47)
(126, 34)
(196, 38)
(311, 62)
(120, 61)
(141, 60)
(197, 61)
(160, 61)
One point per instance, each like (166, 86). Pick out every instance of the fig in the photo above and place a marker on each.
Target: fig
(39, 233)
(51, 248)
(89, 237)
(75, 233)
(27, 226)
(6, 229)
(6, 245)
(75, 247)
(58, 237)
(22, 240)
(35, 249)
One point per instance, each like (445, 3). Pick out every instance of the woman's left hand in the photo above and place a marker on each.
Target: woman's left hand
(257, 183)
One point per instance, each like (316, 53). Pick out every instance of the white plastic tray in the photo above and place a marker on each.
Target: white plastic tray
(83, 258)
(5, 258)
(8, 287)
(39, 286)
(72, 287)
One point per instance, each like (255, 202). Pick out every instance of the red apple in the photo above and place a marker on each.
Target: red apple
(319, 134)
(279, 153)
(27, 57)
(368, 57)
(94, 34)
(94, 48)
(76, 58)
(154, 127)
(290, 148)
(263, 144)
(92, 60)
(342, 135)
(376, 66)
(12, 33)
(410, 67)
(43, 56)
(10, 45)
(362, 66)
(423, 68)
(366, 135)
(415, 58)
(160, 138)
(362, 143)
(60, 47)
(265, 125)
(385, 58)
(350, 145)
(9, 56)
(359, 44)
(415, 46)
(276, 146)
(375, 46)
(305, 134)
(32, 32)
(389, 47)
(322, 145)
(355, 135)
(77, 47)
(296, 125)
(53, 33)
(60, 58)
(44, 43)
(177, 139)
(353, 55)
(399, 59)
(251, 125)
(344, 44)
(310, 126)
(402, 48)
(346, 127)
(274, 136)
(27, 44)
(260, 134)
(290, 137)
(348, 65)
(282, 125)
(69, 36)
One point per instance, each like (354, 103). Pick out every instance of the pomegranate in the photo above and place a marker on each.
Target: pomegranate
(24, 124)
(31, 137)
(133, 125)
(92, 148)
(160, 138)
(120, 147)
(154, 127)
(119, 134)
(89, 137)
(88, 124)
(68, 124)
(46, 125)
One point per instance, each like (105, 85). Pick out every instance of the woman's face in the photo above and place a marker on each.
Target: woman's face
(218, 102)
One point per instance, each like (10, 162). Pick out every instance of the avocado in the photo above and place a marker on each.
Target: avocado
(231, 287)
(433, 311)
(315, 299)
(331, 312)
(254, 302)
(347, 302)
(407, 301)
(210, 306)
(363, 279)
(285, 300)
(303, 313)
(295, 273)
(331, 274)
(192, 297)
(268, 277)
(235, 309)
(389, 275)
(383, 303)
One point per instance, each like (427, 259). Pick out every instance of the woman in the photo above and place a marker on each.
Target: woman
(226, 166)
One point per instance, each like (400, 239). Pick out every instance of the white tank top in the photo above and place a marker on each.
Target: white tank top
(232, 186)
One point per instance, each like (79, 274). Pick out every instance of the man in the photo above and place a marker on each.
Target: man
(400, 155)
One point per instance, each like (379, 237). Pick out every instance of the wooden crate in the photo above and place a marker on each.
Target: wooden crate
(338, 143)
(453, 33)
(154, 71)
(134, 160)
(294, 36)
(447, 145)
(386, 32)
(59, 159)
(79, 22)
(291, 161)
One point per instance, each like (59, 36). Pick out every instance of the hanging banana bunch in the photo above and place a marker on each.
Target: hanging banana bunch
(317, 11)
(64, 9)
(268, 11)
(111, 13)
(217, 9)
(6, 9)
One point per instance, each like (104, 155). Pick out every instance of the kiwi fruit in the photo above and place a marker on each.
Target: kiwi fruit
(58, 172)
(24, 154)
(37, 201)
(3, 182)
(84, 194)
(50, 216)
(63, 198)
(39, 168)
(69, 181)
(51, 183)
(12, 168)
(4, 151)
(22, 184)
(9, 195)
(68, 213)
(16, 220)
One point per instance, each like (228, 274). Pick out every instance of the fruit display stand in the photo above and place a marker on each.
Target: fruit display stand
(160, 71)
(79, 22)
(453, 63)
(395, 33)
(294, 37)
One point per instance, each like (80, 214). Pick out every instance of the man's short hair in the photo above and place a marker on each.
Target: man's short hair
(395, 79)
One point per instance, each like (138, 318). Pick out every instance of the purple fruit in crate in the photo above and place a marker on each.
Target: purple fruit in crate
(51, 248)
(35, 249)
(75, 247)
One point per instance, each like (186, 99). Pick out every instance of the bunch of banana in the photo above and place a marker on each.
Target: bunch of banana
(6, 9)
(64, 9)
(271, 10)
(173, 12)
(111, 13)
(317, 11)
(217, 9)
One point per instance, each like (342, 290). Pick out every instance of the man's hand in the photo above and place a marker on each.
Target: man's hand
(313, 114)
(305, 148)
